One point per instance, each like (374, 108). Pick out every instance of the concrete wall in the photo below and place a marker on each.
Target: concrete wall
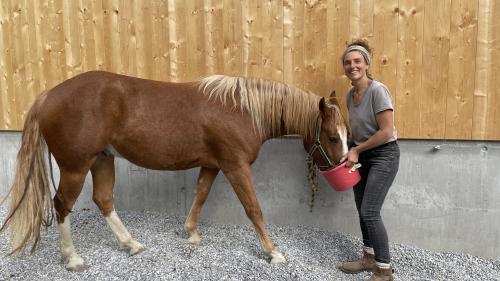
(444, 200)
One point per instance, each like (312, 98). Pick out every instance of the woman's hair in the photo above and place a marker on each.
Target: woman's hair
(363, 43)
(360, 42)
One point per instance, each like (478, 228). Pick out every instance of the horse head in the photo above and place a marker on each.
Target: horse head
(329, 143)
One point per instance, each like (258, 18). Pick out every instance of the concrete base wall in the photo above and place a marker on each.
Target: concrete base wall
(444, 200)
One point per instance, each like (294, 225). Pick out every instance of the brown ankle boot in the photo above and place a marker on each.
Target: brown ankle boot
(380, 274)
(366, 263)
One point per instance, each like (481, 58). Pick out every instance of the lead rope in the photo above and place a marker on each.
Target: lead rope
(313, 180)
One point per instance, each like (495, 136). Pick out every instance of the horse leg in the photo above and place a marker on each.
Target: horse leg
(103, 179)
(203, 186)
(242, 182)
(70, 186)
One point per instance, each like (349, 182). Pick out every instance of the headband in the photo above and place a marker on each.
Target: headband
(361, 49)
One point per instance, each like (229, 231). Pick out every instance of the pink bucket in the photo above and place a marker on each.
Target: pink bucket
(341, 177)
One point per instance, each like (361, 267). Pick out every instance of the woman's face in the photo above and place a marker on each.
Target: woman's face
(355, 66)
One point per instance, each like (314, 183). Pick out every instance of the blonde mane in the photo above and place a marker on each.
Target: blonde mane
(268, 103)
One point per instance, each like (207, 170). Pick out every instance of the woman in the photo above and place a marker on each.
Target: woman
(371, 118)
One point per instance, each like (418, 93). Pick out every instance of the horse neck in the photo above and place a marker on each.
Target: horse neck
(301, 122)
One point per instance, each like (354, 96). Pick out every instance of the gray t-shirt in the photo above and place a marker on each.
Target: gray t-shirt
(362, 117)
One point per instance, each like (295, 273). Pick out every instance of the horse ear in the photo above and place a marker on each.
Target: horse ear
(322, 105)
(323, 108)
(333, 99)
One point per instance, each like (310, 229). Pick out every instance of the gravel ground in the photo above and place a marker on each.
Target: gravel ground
(227, 252)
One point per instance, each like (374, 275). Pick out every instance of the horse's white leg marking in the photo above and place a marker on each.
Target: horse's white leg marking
(122, 234)
(75, 262)
(194, 236)
(343, 137)
(277, 257)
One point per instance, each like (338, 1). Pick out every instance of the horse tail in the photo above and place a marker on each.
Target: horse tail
(31, 203)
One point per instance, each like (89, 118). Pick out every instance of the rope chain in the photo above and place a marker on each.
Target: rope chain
(313, 180)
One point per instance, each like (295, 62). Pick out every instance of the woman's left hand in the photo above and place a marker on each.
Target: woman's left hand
(352, 157)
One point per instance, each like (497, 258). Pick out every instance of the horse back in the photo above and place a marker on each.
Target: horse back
(153, 124)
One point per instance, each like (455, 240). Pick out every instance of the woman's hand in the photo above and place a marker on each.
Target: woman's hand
(352, 157)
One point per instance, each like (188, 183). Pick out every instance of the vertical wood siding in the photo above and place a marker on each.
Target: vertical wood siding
(439, 58)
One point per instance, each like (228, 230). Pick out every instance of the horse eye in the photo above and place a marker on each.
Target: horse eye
(333, 140)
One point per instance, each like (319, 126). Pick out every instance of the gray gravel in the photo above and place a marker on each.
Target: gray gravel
(227, 252)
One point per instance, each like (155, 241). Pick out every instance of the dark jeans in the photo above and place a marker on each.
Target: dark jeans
(378, 170)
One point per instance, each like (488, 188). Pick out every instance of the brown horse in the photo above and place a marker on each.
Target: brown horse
(217, 123)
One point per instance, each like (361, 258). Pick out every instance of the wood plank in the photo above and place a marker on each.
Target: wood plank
(87, 36)
(233, 38)
(462, 58)
(483, 68)
(33, 53)
(73, 24)
(314, 49)
(195, 38)
(165, 41)
(98, 30)
(30, 56)
(128, 38)
(367, 15)
(161, 67)
(288, 9)
(298, 65)
(493, 109)
(3, 94)
(272, 40)
(111, 35)
(177, 31)
(107, 20)
(172, 33)
(39, 45)
(21, 100)
(44, 29)
(384, 44)
(58, 52)
(355, 18)
(9, 60)
(409, 68)
(148, 39)
(142, 24)
(7, 122)
(337, 37)
(435, 68)
(207, 42)
(252, 35)
(214, 39)
(361, 18)
(181, 25)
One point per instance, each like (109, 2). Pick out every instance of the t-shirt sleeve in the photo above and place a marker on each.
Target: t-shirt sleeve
(382, 100)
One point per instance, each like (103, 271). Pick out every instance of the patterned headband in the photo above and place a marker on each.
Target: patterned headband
(361, 49)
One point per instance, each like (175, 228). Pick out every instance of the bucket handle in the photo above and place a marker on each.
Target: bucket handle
(354, 167)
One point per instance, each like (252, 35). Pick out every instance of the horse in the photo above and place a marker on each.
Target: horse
(217, 123)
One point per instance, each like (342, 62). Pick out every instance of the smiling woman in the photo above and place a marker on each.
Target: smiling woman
(371, 118)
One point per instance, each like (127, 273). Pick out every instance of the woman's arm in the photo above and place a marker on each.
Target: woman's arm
(385, 121)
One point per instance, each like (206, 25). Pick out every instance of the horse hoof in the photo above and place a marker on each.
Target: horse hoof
(136, 249)
(277, 258)
(194, 239)
(76, 265)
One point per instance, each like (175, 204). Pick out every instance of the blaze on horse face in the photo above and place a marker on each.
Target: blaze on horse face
(334, 131)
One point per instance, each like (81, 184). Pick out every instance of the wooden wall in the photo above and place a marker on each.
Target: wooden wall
(440, 58)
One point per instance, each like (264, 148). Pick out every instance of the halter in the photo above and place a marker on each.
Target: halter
(317, 146)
